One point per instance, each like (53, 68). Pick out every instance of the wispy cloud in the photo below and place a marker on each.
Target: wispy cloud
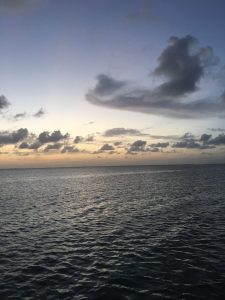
(122, 131)
(40, 113)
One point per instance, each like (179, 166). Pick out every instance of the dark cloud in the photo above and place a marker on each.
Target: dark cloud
(69, 149)
(182, 65)
(55, 146)
(218, 140)
(137, 146)
(55, 136)
(24, 145)
(160, 145)
(78, 139)
(206, 141)
(189, 144)
(107, 147)
(107, 85)
(187, 136)
(7, 137)
(205, 137)
(189, 141)
(4, 103)
(33, 146)
(121, 131)
(40, 113)
(182, 68)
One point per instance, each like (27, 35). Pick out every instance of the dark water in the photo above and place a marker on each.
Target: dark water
(113, 233)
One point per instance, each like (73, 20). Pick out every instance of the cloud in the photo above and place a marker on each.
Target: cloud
(137, 146)
(217, 129)
(218, 140)
(40, 113)
(107, 147)
(78, 139)
(189, 141)
(24, 145)
(69, 149)
(181, 65)
(55, 146)
(205, 137)
(155, 149)
(118, 143)
(121, 131)
(107, 85)
(163, 137)
(4, 103)
(90, 138)
(160, 145)
(189, 144)
(55, 136)
(33, 146)
(19, 116)
(7, 137)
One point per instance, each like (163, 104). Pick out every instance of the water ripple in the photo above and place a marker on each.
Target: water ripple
(113, 233)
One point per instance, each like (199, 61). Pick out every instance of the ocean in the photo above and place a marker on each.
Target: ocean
(143, 232)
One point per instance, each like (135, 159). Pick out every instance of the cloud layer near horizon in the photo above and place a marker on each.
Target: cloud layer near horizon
(181, 65)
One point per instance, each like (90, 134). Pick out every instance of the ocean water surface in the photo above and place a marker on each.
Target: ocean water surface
(113, 233)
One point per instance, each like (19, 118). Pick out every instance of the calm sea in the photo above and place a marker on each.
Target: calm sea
(113, 233)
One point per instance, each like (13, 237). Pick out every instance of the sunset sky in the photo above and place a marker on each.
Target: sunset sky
(109, 82)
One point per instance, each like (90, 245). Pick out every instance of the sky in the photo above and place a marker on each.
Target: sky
(109, 82)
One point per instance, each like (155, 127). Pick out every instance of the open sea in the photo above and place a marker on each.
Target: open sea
(143, 232)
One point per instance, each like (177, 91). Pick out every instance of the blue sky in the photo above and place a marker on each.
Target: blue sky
(52, 52)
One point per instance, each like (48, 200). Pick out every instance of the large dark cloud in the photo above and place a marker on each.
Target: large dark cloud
(4, 103)
(182, 65)
(55, 136)
(182, 69)
(7, 137)
(121, 131)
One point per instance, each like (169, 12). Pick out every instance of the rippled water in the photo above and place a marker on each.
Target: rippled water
(113, 233)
